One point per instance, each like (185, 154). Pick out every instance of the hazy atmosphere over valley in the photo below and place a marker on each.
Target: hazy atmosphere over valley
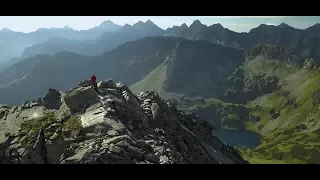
(159, 89)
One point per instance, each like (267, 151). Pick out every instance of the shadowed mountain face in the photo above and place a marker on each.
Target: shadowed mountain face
(183, 66)
(192, 66)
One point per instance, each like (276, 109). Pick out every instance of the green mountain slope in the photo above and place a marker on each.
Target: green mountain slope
(153, 81)
(282, 97)
(288, 120)
(262, 72)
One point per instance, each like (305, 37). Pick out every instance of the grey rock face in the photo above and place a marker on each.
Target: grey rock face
(80, 98)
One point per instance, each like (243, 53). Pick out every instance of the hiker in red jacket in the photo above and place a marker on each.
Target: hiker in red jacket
(94, 81)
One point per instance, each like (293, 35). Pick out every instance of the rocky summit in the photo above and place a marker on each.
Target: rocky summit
(107, 125)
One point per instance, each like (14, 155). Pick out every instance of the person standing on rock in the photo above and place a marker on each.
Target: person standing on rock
(94, 81)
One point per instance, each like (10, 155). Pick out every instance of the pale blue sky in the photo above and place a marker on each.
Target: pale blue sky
(235, 23)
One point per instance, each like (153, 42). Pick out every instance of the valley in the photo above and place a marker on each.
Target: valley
(260, 90)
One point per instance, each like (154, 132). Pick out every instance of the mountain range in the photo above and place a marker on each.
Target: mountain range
(131, 62)
(105, 42)
(304, 42)
(107, 36)
(12, 44)
(263, 81)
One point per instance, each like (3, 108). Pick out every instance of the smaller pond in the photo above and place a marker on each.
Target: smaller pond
(247, 139)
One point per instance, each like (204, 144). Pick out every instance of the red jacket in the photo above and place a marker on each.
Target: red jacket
(93, 78)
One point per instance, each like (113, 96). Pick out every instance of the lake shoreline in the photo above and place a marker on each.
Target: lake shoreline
(248, 139)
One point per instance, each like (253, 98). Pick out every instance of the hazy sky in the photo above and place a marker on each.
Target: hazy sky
(235, 23)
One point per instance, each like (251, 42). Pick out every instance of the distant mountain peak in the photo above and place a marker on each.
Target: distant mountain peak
(107, 25)
(315, 28)
(108, 22)
(218, 25)
(284, 25)
(184, 25)
(197, 22)
(127, 26)
(139, 23)
(6, 30)
(263, 25)
(67, 27)
(149, 22)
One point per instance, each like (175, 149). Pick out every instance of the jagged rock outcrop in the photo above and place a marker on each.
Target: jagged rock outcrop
(111, 125)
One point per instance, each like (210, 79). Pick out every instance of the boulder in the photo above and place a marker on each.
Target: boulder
(275, 115)
(111, 91)
(119, 85)
(107, 84)
(151, 158)
(110, 84)
(80, 98)
(39, 101)
(52, 100)
(55, 149)
(102, 84)
(85, 83)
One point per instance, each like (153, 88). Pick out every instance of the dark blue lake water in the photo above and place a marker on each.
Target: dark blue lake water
(239, 138)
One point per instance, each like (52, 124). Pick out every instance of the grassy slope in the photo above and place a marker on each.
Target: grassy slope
(270, 67)
(153, 81)
(287, 117)
(294, 136)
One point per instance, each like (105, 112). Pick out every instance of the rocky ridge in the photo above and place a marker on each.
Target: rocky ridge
(109, 125)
